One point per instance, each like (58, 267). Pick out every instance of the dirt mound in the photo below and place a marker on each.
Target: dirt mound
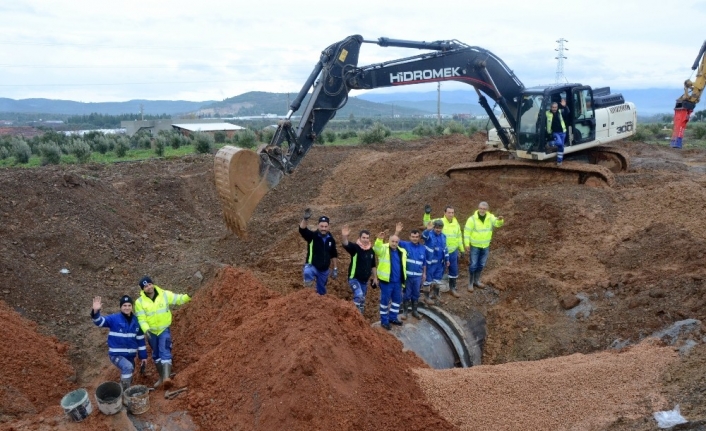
(298, 362)
(35, 372)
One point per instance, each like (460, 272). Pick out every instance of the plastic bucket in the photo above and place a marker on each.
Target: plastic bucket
(110, 398)
(137, 399)
(76, 405)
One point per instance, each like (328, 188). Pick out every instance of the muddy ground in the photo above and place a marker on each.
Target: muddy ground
(631, 255)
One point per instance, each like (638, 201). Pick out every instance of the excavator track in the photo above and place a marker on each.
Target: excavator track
(615, 159)
(531, 173)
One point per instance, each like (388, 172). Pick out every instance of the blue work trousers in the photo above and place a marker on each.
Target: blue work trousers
(412, 287)
(360, 290)
(126, 366)
(390, 298)
(321, 277)
(453, 264)
(161, 346)
(559, 138)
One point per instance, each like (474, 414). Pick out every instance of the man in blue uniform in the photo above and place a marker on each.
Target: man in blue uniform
(125, 338)
(416, 270)
(437, 260)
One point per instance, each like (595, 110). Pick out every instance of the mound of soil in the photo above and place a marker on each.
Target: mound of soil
(296, 362)
(35, 372)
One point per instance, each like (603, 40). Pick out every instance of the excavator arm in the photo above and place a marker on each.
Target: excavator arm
(687, 102)
(243, 177)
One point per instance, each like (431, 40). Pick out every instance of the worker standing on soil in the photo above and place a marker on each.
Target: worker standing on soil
(320, 253)
(454, 242)
(392, 272)
(155, 318)
(125, 338)
(362, 268)
(437, 260)
(416, 270)
(476, 237)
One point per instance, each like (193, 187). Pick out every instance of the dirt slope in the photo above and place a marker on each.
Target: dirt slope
(632, 254)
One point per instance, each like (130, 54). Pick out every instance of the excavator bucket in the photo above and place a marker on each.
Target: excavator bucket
(242, 179)
(681, 118)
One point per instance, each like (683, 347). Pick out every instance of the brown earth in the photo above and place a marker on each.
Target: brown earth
(633, 254)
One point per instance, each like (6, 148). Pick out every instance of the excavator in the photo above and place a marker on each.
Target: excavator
(518, 142)
(686, 103)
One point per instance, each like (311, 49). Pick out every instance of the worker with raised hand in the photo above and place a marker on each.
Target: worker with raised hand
(454, 242)
(556, 127)
(320, 253)
(362, 268)
(392, 272)
(125, 338)
(476, 237)
(437, 260)
(416, 270)
(155, 318)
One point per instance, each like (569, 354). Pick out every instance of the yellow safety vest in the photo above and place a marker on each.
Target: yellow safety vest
(452, 230)
(382, 251)
(154, 316)
(550, 117)
(477, 233)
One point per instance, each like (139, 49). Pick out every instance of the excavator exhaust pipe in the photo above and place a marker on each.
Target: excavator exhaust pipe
(243, 177)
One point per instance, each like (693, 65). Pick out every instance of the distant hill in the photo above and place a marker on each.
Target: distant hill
(68, 107)
(259, 102)
(371, 104)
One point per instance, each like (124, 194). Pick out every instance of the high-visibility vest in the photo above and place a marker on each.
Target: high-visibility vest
(452, 230)
(478, 233)
(550, 117)
(154, 315)
(382, 251)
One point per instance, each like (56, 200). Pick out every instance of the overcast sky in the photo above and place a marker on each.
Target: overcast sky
(95, 51)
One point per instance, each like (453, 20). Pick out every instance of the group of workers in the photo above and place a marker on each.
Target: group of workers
(404, 269)
(148, 318)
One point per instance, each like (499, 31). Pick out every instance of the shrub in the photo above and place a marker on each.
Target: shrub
(699, 131)
(100, 144)
(158, 145)
(144, 142)
(246, 139)
(267, 135)
(219, 137)
(176, 140)
(204, 143)
(453, 127)
(121, 147)
(376, 134)
(81, 150)
(472, 130)
(330, 136)
(641, 134)
(348, 134)
(422, 130)
(21, 151)
(50, 152)
(4, 153)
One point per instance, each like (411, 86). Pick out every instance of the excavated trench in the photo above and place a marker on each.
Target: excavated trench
(444, 340)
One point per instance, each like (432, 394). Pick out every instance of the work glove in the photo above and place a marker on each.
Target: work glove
(427, 209)
(335, 273)
(307, 214)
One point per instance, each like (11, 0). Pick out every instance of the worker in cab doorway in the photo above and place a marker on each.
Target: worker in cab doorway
(556, 127)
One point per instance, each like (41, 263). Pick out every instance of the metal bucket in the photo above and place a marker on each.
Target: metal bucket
(110, 398)
(77, 405)
(137, 399)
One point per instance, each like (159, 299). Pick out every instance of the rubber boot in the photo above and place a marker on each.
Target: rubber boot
(424, 297)
(125, 384)
(160, 373)
(166, 373)
(415, 314)
(452, 288)
(403, 311)
(437, 294)
(478, 283)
